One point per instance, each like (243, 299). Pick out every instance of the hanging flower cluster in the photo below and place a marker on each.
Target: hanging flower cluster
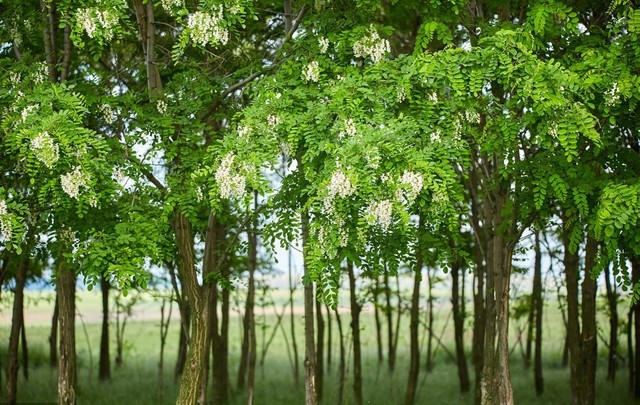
(372, 46)
(45, 149)
(97, 22)
(230, 182)
(312, 72)
(207, 28)
(170, 5)
(73, 181)
(5, 223)
(324, 44)
(415, 181)
(381, 213)
(340, 185)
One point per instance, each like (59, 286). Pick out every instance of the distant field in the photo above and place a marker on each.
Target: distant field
(136, 382)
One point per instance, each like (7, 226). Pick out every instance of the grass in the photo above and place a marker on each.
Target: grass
(137, 380)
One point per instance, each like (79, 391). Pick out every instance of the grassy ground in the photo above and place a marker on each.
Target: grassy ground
(137, 380)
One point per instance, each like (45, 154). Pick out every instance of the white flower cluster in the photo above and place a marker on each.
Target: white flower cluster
(5, 224)
(381, 212)
(457, 126)
(472, 117)
(372, 47)
(433, 97)
(243, 131)
(45, 149)
(161, 106)
(170, 5)
(41, 73)
(199, 194)
(553, 130)
(273, 120)
(612, 96)
(26, 112)
(373, 158)
(312, 72)
(206, 28)
(415, 181)
(108, 114)
(340, 185)
(73, 181)
(350, 127)
(401, 94)
(230, 184)
(435, 136)
(91, 20)
(324, 44)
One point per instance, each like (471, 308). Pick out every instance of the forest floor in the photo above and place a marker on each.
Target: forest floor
(137, 380)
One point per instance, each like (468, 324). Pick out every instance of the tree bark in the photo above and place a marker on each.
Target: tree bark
(329, 338)
(612, 300)
(309, 343)
(25, 349)
(430, 316)
(342, 363)
(538, 304)
(414, 366)
(391, 352)
(376, 313)
(355, 332)
(252, 264)
(458, 325)
(479, 319)
(296, 361)
(53, 337)
(66, 290)
(104, 371)
(319, 351)
(13, 364)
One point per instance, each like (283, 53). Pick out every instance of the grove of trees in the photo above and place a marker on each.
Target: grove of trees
(378, 135)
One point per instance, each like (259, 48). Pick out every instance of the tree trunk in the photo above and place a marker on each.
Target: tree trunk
(635, 269)
(219, 328)
(104, 372)
(66, 290)
(296, 361)
(376, 314)
(25, 349)
(582, 338)
(329, 338)
(537, 298)
(183, 342)
(430, 316)
(458, 325)
(53, 337)
(414, 367)
(496, 380)
(319, 351)
(16, 327)
(342, 363)
(309, 343)
(252, 264)
(630, 356)
(612, 299)
(391, 355)
(164, 329)
(244, 347)
(355, 332)
(479, 319)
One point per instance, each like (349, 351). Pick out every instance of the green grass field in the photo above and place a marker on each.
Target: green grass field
(136, 382)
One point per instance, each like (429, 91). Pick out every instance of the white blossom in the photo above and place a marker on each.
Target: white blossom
(3, 208)
(472, 117)
(91, 20)
(373, 158)
(433, 97)
(161, 106)
(5, 224)
(199, 194)
(273, 120)
(415, 181)
(372, 46)
(108, 114)
(553, 130)
(243, 131)
(312, 72)
(612, 96)
(324, 44)
(401, 94)
(45, 149)
(381, 213)
(26, 112)
(350, 127)
(170, 5)
(206, 28)
(340, 185)
(41, 73)
(15, 78)
(118, 175)
(73, 181)
(435, 136)
(230, 183)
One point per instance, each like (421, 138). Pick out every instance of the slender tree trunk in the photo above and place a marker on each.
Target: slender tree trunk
(53, 337)
(104, 371)
(582, 338)
(530, 332)
(329, 338)
(292, 289)
(319, 351)
(355, 332)
(16, 326)
(414, 367)
(376, 314)
(164, 329)
(244, 347)
(25, 349)
(479, 318)
(252, 265)
(458, 325)
(635, 269)
(183, 341)
(612, 299)
(391, 354)
(219, 334)
(342, 363)
(430, 316)
(630, 355)
(537, 298)
(66, 290)
(309, 343)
